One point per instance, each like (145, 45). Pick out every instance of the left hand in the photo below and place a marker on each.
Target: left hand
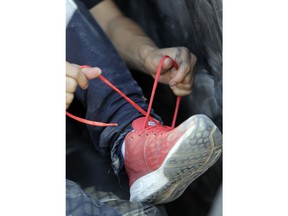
(78, 77)
(180, 80)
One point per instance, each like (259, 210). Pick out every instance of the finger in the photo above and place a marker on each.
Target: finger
(166, 70)
(91, 73)
(69, 99)
(71, 85)
(179, 75)
(188, 79)
(184, 66)
(167, 64)
(185, 71)
(186, 87)
(183, 91)
(153, 61)
(74, 72)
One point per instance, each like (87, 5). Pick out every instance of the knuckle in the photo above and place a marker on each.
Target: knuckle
(77, 74)
(188, 79)
(69, 98)
(185, 49)
(186, 67)
(193, 58)
(71, 85)
(74, 73)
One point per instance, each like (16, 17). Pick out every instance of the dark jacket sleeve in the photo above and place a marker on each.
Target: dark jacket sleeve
(90, 3)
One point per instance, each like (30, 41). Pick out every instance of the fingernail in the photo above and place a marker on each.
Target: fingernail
(91, 73)
(86, 69)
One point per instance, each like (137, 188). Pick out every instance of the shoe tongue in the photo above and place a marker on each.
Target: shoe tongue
(138, 123)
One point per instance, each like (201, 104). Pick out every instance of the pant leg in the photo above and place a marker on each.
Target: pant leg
(95, 203)
(79, 203)
(87, 44)
(125, 207)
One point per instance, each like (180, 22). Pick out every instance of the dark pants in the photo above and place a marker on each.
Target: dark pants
(86, 44)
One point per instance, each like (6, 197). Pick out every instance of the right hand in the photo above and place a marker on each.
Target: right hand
(76, 76)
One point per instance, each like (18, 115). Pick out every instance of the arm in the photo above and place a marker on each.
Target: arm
(128, 38)
(140, 52)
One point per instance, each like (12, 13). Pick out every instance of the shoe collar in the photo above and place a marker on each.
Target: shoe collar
(138, 123)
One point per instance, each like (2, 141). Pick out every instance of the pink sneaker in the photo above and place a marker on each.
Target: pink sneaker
(161, 162)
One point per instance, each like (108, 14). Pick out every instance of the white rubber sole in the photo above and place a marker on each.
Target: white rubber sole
(196, 151)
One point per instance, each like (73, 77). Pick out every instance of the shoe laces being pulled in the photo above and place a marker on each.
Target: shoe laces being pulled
(154, 130)
(136, 106)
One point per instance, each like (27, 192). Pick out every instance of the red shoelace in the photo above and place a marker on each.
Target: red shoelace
(136, 106)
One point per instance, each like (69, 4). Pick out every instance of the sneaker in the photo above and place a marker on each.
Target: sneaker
(161, 162)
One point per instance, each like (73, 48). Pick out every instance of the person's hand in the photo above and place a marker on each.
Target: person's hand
(180, 80)
(76, 76)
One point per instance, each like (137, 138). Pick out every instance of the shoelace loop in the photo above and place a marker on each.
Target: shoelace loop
(136, 106)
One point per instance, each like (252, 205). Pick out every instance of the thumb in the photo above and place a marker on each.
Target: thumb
(167, 64)
(91, 73)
